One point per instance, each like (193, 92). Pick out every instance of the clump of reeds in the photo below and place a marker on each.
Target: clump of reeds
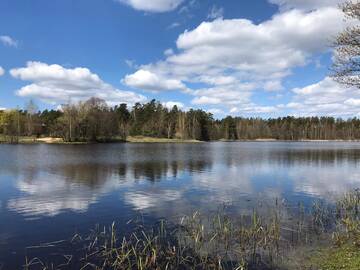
(348, 219)
(198, 242)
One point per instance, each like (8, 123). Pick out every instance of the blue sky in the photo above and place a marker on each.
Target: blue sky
(250, 58)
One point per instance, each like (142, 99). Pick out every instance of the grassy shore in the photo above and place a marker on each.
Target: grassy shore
(345, 257)
(53, 140)
(35, 140)
(134, 139)
(142, 139)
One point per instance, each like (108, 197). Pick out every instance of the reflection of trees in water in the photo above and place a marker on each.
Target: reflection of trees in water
(95, 175)
(292, 157)
(156, 171)
(315, 157)
(92, 175)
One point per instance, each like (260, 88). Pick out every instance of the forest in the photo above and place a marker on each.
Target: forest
(94, 121)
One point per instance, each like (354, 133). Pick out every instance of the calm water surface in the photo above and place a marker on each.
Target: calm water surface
(49, 192)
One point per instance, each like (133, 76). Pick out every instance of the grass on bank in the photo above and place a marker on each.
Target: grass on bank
(144, 139)
(34, 140)
(54, 140)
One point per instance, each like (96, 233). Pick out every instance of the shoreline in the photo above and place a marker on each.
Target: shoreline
(130, 139)
(276, 140)
(144, 139)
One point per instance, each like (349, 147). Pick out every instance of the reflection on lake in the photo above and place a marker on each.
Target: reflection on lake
(48, 192)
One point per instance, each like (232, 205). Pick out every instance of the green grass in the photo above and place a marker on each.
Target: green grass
(144, 139)
(346, 257)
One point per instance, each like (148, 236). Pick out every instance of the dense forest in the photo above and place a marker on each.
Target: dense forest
(94, 120)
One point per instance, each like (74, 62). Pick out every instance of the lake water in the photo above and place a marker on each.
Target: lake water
(50, 192)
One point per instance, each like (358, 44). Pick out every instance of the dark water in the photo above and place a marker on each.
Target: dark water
(49, 192)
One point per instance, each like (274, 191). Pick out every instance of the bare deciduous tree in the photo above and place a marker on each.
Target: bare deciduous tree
(346, 67)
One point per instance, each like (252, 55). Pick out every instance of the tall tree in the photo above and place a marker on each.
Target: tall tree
(123, 118)
(31, 125)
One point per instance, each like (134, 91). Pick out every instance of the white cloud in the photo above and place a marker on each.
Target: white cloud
(284, 42)
(55, 84)
(216, 111)
(217, 80)
(226, 54)
(146, 80)
(2, 71)
(8, 41)
(326, 97)
(130, 63)
(273, 86)
(305, 4)
(188, 7)
(171, 104)
(173, 25)
(230, 95)
(216, 13)
(254, 109)
(153, 5)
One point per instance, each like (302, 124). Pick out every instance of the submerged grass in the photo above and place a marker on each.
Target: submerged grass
(326, 237)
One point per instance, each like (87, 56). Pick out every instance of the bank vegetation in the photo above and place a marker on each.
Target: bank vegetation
(95, 121)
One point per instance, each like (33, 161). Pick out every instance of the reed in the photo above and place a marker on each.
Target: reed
(214, 241)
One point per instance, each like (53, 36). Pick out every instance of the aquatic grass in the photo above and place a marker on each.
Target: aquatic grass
(348, 219)
(264, 239)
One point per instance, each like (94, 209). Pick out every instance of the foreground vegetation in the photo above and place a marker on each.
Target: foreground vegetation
(326, 237)
(95, 121)
(338, 258)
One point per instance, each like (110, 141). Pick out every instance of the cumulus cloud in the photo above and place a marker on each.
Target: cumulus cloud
(8, 41)
(2, 71)
(285, 41)
(326, 97)
(226, 54)
(55, 84)
(153, 5)
(146, 80)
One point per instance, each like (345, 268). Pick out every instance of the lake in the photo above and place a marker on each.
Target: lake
(51, 192)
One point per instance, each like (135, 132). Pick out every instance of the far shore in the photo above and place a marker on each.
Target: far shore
(129, 139)
(144, 139)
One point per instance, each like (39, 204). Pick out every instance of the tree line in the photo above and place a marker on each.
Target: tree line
(94, 121)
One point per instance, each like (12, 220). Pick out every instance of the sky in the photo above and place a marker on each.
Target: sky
(261, 58)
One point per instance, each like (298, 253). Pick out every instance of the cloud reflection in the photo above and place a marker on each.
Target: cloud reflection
(169, 179)
(49, 195)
